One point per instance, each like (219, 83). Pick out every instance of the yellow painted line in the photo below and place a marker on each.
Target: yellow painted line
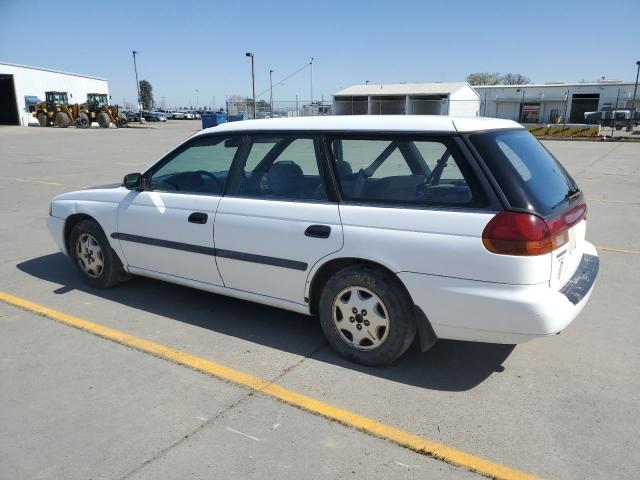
(414, 442)
(619, 250)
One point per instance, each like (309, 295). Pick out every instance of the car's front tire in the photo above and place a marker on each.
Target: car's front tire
(366, 315)
(98, 264)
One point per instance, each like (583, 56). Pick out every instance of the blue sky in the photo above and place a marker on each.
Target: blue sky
(188, 45)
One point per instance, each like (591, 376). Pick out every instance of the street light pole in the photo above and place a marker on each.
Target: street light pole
(271, 92)
(635, 88)
(135, 68)
(311, 64)
(197, 99)
(253, 81)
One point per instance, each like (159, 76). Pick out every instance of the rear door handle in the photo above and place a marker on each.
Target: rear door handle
(198, 217)
(318, 231)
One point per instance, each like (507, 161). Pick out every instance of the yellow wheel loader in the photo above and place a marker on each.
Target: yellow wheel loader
(98, 110)
(55, 110)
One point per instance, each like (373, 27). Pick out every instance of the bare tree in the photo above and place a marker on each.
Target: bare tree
(515, 79)
(483, 78)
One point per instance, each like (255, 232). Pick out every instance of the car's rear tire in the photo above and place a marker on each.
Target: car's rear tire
(98, 264)
(103, 120)
(366, 315)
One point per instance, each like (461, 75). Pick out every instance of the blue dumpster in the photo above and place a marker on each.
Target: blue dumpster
(213, 119)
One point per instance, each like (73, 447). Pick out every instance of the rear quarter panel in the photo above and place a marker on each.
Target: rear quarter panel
(439, 242)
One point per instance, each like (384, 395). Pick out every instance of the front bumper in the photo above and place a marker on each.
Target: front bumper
(477, 311)
(56, 229)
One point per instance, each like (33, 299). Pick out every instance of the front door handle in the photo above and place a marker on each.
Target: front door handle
(198, 217)
(318, 231)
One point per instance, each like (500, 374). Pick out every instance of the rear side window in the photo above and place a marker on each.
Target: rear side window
(404, 170)
(530, 177)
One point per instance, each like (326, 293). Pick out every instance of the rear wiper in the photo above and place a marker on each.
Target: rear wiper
(571, 194)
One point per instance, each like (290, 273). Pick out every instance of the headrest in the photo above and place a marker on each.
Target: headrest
(285, 178)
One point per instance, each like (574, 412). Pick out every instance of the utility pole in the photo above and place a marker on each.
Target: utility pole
(633, 102)
(271, 91)
(135, 68)
(311, 64)
(253, 81)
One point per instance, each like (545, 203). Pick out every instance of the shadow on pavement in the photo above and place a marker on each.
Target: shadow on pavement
(449, 365)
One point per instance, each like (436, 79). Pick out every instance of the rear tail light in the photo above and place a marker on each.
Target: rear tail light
(517, 233)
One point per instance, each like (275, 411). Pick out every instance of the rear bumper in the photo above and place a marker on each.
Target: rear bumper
(498, 313)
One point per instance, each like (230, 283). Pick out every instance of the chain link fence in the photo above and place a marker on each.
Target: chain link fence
(620, 114)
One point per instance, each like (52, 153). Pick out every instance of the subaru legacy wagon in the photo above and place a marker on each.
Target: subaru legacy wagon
(385, 227)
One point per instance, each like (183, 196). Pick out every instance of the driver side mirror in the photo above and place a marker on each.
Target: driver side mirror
(133, 181)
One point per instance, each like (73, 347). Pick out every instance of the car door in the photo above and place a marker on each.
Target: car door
(168, 228)
(275, 223)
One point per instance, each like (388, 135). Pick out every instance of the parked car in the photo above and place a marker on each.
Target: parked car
(386, 227)
(188, 115)
(154, 117)
(132, 116)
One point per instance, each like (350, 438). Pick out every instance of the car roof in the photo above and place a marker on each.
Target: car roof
(368, 123)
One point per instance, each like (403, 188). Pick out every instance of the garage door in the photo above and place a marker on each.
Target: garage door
(8, 105)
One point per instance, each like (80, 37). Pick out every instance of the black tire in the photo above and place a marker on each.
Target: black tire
(83, 120)
(112, 271)
(43, 120)
(103, 120)
(121, 121)
(62, 120)
(399, 308)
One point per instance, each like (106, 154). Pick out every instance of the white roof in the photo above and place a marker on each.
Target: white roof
(402, 89)
(51, 70)
(561, 84)
(368, 123)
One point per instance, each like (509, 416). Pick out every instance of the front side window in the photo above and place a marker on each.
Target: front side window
(202, 167)
(282, 168)
(403, 170)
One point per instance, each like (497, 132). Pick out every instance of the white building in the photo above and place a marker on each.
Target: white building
(457, 99)
(536, 103)
(21, 86)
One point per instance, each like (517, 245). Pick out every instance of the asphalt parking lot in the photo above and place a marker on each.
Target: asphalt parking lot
(74, 405)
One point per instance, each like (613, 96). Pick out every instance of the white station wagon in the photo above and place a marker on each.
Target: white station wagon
(383, 226)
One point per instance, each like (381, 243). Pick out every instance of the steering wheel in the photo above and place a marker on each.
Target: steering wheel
(218, 182)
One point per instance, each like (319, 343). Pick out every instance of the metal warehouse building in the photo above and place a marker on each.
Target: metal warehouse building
(408, 99)
(21, 87)
(537, 103)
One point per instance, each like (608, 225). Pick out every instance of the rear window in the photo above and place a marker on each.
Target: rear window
(530, 177)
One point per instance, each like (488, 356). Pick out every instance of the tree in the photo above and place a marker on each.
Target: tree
(483, 78)
(146, 95)
(515, 79)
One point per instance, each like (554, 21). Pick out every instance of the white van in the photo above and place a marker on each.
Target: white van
(383, 226)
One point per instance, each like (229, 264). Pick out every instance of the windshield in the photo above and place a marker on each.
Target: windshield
(530, 177)
(57, 97)
(98, 99)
